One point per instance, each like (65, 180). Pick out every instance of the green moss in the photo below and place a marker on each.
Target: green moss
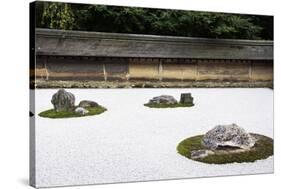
(263, 149)
(65, 114)
(150, 105)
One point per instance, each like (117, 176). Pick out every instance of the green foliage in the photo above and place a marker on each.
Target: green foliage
(262, 150)
(152, 21)
(66, 114)
(150, 105)
(58, 16)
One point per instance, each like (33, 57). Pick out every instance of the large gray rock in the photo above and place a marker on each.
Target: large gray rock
(186, 98)
(231, 136)
(63, 101)
(163, 99)
(88, 104)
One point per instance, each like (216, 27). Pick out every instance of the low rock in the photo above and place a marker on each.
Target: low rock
(228, 136)
(81, 111)
(200, 153)
(63, 101)
(163, 99)
(88, 104)
(186, 98)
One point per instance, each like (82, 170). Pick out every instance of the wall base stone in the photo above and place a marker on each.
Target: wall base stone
(152, 84)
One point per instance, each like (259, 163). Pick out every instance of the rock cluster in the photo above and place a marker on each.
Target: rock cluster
(224, 139)
(63, 101)
(163, 99)
(185, 99)
(81, 109)
(228, 136)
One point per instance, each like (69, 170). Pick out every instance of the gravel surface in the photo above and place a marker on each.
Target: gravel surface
(131, 142)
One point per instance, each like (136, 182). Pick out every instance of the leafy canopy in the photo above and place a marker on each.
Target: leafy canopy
(152, 21)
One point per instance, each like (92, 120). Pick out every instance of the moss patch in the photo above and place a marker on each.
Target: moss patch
(155, 105)
(263, 149)
(65, 114)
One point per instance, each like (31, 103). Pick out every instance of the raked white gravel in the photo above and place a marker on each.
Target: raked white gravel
(131, 142)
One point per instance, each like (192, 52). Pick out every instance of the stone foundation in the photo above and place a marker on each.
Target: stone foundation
(151, 84)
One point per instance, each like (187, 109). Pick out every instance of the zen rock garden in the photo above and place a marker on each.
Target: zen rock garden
(220, 145)
(167, 101)
(226, 144)
(64, 106)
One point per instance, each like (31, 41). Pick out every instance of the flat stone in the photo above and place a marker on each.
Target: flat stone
(81, 111)
(88, 104)
(200, 153)
(228, 136)
(163, 99)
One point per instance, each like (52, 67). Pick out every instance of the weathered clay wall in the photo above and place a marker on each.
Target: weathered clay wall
(80, 68)
(262, 71)
(96, 56)
(142, 69)
(106, 69)
(237, 71)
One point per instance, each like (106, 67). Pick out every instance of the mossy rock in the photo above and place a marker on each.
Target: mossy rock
(163, 105)
(262, 149)
(67, 114)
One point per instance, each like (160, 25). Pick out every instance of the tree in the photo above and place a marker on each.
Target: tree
(58, 16)
(153, 21)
